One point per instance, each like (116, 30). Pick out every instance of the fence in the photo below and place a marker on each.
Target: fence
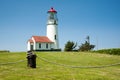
(63, 65)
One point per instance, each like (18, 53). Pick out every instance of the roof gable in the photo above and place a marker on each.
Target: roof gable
(30, 40)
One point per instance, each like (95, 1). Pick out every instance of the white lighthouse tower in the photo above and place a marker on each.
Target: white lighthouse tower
(52, 29)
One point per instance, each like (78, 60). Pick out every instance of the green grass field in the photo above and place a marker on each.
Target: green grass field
(48, 70)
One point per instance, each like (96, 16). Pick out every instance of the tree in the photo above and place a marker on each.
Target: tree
(70, 46)
(86, 46)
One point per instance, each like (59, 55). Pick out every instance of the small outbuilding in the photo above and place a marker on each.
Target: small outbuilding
(40, 43)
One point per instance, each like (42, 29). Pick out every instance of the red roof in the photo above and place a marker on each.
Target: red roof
(52, 10)
(41, 39)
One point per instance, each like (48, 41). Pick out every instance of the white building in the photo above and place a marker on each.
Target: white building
(50, 41)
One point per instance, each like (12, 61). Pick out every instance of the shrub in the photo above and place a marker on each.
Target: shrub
(115, 51)
(3, 51)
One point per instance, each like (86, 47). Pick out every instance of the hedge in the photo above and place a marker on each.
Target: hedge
(2, 51)
(115, 51)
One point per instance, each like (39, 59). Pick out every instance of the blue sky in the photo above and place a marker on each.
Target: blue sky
(20, 19)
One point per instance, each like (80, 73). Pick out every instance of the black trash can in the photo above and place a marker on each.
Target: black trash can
(33, 61)
(31, 57)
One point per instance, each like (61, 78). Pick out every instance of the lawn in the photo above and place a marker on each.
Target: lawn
(59, 66)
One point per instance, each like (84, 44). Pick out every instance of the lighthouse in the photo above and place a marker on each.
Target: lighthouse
(52, 27)
(50, 41)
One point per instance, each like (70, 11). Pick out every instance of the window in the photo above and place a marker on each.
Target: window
(51, 16)
(46, 45)
(55, 37)
(39, 45)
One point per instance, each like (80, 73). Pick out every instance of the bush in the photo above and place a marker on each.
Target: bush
(3, 51)
(70, 46)
(115, 51)
(86, 46)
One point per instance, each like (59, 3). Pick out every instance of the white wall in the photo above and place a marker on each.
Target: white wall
(28, 46)
(43, 46)
(52, 30)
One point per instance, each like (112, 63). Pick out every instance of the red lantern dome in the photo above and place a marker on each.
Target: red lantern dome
(52, 10)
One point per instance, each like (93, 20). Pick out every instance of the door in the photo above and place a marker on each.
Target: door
(31, 47)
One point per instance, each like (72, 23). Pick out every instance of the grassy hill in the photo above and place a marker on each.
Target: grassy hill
(57, 66)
